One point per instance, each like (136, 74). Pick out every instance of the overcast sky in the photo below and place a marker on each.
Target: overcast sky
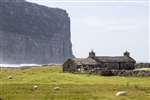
(108, 27)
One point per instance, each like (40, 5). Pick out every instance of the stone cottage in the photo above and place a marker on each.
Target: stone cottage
(93, 62)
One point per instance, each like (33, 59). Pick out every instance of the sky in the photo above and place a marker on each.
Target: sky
(109, 27)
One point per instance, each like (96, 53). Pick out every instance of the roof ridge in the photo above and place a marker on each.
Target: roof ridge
(109, 56)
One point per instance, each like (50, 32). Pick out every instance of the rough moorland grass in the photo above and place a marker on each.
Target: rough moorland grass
(143, 69)
(72, 86)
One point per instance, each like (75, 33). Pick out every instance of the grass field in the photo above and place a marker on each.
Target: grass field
(143, 69)
(71, 86)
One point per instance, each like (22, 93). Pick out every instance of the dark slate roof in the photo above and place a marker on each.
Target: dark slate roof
(102, 59)
(114, 59)
(85, 61)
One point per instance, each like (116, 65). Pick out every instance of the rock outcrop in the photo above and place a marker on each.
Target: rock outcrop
(31, 33)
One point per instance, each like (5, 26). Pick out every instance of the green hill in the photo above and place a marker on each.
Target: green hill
(53, 84)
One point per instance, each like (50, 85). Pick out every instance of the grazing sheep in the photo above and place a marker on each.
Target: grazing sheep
(10, 77)
(35, 87)
(56, 88)
(121, 93)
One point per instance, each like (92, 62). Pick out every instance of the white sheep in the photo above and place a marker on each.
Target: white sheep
(121, 93)
(35, 87)
(56, 88)
(10, 77)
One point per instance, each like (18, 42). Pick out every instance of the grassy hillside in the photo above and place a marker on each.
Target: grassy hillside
(71, 86)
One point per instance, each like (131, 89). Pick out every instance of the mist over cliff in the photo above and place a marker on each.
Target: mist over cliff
(31, 33)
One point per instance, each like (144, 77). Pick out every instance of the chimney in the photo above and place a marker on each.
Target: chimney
(91, 54)
(127, 54)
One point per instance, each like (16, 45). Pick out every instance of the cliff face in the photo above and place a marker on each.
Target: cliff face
(30, 33)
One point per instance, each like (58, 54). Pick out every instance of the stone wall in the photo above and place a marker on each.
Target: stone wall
(121, 73)
(142, 65)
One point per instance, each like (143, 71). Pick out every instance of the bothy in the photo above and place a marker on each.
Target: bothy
(93, 62)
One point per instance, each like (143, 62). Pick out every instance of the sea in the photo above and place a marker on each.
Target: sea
(20, 65)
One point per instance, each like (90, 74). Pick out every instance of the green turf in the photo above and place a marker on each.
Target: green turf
(142, 69)
(72, 86)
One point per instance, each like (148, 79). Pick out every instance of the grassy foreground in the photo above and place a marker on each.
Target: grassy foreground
(71, 86)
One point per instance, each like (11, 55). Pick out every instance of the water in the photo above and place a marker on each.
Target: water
(19, 65)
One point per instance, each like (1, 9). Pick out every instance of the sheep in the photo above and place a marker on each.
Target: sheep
(10, 77)
(35, 87)
(121, 93)
(56, 88)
